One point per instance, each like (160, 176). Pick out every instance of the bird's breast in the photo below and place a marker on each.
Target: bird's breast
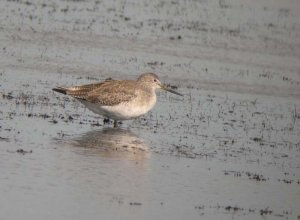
(125, 110)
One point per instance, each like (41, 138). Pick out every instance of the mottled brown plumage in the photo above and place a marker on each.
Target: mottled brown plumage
(108, 93)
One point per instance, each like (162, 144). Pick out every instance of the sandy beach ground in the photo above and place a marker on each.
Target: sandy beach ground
(228, 149)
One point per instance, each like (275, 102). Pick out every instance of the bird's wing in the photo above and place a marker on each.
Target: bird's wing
(111, 92)
(82, 92)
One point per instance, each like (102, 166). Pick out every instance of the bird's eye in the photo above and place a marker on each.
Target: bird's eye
(155, 80)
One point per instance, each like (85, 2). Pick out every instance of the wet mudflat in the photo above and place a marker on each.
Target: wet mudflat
(228, 149)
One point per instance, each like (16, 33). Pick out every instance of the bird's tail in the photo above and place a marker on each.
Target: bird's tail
(60, 90)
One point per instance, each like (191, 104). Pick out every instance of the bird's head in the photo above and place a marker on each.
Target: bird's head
(151, 80)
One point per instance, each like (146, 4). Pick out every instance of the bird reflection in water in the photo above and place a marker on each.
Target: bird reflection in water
(113, 142)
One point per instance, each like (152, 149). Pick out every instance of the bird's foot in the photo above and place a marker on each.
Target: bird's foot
(106, 121)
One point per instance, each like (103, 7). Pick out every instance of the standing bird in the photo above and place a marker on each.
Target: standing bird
(119, 99)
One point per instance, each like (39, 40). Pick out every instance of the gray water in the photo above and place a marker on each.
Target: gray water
(228, 149)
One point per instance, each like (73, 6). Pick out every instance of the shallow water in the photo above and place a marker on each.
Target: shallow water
(228, 149)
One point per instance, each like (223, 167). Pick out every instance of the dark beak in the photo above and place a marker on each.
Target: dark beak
(164, 87)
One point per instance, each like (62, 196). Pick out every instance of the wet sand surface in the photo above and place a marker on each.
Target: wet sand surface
(228, 149)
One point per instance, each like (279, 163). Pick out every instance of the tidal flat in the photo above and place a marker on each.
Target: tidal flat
(228, 149)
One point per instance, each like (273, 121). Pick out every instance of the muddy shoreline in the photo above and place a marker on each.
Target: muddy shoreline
(228, 149)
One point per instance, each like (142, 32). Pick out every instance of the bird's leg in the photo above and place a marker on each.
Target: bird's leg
(115, 123)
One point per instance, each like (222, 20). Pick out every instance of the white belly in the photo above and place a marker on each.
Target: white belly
(122, 111)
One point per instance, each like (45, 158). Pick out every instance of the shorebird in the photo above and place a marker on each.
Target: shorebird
(119, 99)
